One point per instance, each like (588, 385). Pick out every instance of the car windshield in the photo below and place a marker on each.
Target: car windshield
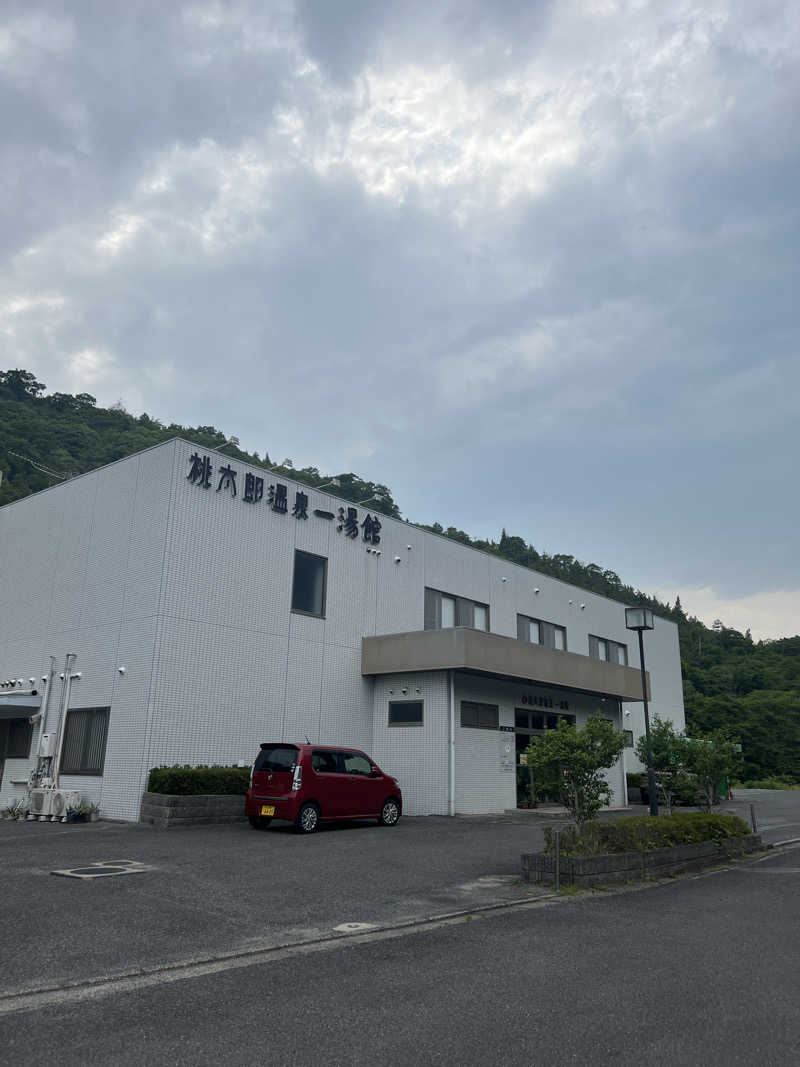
(276, 758)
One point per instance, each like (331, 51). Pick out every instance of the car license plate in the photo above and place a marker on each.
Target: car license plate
(267, 809)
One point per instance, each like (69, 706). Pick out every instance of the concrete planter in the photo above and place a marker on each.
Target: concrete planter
(165, 810)
(636, 866)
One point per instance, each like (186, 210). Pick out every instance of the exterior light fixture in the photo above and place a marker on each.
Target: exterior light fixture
(641, 619)
(536, 590)
(380, 497)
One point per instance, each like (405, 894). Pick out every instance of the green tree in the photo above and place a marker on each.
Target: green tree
(669, 750)
(712, 759)
(569, 761)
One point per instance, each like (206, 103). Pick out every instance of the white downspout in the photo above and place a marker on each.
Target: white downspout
(451, 800)
(62, 718)
(37, 774)
(48, 685)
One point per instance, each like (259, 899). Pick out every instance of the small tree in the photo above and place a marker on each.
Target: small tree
(711, 758)
(669, 757)
(568, 761)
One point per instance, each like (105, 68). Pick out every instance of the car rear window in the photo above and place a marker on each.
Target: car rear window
(276, 758)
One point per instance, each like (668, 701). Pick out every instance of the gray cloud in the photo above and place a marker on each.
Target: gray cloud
(531, 265)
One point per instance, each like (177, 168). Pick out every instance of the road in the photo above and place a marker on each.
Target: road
(703, 970)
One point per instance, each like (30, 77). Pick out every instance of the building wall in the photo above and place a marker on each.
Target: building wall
(80, 569)
(416, 755)
(190, 590)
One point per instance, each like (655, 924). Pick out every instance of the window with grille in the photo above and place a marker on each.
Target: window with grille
(480, 716)
(18, 745)
(85, 734)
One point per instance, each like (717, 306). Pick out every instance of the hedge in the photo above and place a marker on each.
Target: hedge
(643, 833)
(183, 780)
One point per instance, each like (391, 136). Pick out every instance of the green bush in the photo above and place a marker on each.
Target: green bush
(635, 781)
(643, 833)
(183, 780)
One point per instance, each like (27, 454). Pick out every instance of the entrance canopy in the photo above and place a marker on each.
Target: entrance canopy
(19, 705)
(462, 649)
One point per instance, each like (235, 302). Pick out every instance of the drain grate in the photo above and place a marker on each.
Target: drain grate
(105, 869)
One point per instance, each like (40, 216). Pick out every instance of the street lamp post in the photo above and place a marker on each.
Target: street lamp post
(641, 619)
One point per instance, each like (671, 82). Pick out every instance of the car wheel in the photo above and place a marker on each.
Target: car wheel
(307, 821)
(390, 813)
(259, 822)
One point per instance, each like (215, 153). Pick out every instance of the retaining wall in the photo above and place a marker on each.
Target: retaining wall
(636, 866)
(164, 810)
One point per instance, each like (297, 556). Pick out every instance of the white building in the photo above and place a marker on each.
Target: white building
(210, 606)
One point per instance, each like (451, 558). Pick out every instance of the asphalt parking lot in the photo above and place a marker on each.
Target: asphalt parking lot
(230, 889)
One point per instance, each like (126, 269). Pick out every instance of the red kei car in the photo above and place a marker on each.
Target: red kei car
(310, 784)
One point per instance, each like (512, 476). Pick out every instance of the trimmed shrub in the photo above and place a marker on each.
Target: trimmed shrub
(189, 781)
(643, 833)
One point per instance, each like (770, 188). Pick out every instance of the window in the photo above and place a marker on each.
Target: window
(85, 735)
(18, 744)
(405, 713)
(603, 648)
(539, 632)
(628, 738)
(276, 758)
(354, 763)
(308, 587)
(443, 611)
(480, 716)
(324, 762)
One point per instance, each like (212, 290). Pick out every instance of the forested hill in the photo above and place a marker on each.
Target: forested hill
(729, 680)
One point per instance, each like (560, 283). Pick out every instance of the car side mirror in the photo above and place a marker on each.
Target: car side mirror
(374, 773)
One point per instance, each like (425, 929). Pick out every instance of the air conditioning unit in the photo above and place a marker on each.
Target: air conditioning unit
(62, 800)
(41, 800)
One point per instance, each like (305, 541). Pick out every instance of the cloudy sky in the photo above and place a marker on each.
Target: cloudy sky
(530, 264)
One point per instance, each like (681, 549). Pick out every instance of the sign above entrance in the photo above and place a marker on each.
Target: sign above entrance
(542, 702)
(346, 518)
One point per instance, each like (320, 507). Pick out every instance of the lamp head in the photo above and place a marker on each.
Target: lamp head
(638, 619)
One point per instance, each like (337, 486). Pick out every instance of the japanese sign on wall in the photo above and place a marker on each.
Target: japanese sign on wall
(201, 474)
(542, 702)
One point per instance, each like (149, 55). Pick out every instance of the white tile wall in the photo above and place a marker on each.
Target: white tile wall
(415, 755)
